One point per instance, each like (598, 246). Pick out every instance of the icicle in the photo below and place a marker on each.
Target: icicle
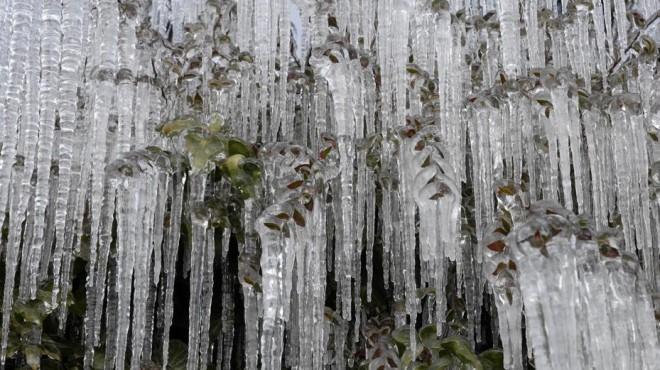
(11, 265)
(27, 148)
(171, 253)
(142, 267)
(5, 33)
(50, 71)
(286, 233)
(23, 31)
(129, 205)
(127, 41)
(477, 104)
(104, 58)
(429, 180)
(21, 22)
(199, 285)
(502, 273)
(534, 39)
(560, 134)
(341, 79)
(263, 55)
(147, 347)
(226, 337)
(272, 267)
(443, 47)
(72, 13)
(549, 241)
(621, 26)
(509, 25)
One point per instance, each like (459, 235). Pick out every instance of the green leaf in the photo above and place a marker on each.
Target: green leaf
(460, 348)
(175, 127)
(402, 335)
(252, 168)
(30, 313)
(202, 150)
(492, 359)
(442, 360)
(238, 146)
(232, 165)
(407, 359)
(244, 174)
(428, 335)
(217, 125)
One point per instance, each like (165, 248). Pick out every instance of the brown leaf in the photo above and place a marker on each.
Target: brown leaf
(272, 226)
(294, 185)
(427, 162)
(437, 196)
(537, 240)
(496, 246)
(324, 153)
(513, 266)
(500, 267)
(298, 218)
(609, 251)
(310, 205)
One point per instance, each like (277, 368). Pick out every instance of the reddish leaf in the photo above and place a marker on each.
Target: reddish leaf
(609, 251)
(537, 240)
(496, 246)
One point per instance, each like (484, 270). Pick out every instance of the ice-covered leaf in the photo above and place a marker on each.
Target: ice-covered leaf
(176, 127)
(492, 359)
(203, 149)
(402, 335)
(238, 146)
(33, 356)
(461, 349)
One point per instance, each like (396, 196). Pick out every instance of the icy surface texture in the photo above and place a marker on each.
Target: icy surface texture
(577, 288)
(294, 163)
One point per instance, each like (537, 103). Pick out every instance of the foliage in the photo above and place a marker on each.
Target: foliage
(210, 148)
(227, 159)
(392, 349)
(27, 321)
(234, 167)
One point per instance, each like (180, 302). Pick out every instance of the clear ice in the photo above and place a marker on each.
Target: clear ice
(512, 144)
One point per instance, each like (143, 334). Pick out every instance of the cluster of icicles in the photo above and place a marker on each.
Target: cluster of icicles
(367, 109)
